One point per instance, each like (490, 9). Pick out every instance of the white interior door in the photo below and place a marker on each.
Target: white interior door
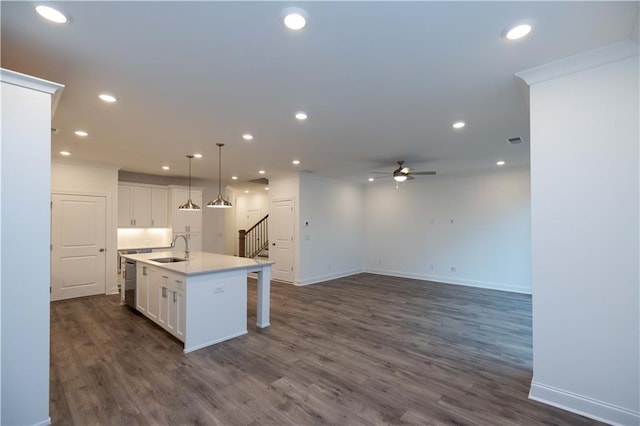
(78, 235)
(281, 239)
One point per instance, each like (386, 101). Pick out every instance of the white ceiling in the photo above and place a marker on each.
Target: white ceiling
(380, 81)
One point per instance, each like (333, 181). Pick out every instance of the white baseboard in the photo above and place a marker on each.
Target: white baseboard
(213, 342)
(449, 280)
(327, 277)
(583, 405)
(44, 422)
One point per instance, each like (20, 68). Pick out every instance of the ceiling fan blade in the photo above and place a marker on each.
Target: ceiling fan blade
(423, 173)
(381, 173)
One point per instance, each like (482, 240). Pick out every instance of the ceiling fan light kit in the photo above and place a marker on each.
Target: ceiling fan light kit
(403, 173)
(219, 202)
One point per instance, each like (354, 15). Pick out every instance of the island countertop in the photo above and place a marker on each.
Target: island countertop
(199, 262)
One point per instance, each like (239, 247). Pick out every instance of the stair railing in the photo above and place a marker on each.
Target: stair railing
(254, 240)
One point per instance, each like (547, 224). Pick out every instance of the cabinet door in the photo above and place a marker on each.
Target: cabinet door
(142, 288)
(141, 206)
(176, 315)
(153, 284)
(194, 219)
(176, 318)
(180, 217)
(164, 299)
(158, 207)
(125, 194)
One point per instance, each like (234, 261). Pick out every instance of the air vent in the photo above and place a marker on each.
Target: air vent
(515, 141)
(54, 131)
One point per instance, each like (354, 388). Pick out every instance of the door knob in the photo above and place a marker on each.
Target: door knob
(273, 244)
(101, 250)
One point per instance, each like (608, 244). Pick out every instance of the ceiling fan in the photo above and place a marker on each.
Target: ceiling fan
(403, 173)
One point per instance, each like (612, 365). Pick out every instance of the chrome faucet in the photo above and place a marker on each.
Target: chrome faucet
(186, 244)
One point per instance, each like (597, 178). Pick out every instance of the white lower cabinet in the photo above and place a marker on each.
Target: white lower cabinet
(165, 299)
(153, 307)
(142, 288)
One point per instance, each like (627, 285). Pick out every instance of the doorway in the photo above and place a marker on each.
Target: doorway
(78, 241)
(281, 239)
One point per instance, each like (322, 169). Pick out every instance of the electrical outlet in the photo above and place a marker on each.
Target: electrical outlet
(329, 266)
(432, 266)
(453, 269)
(219, 289)
(379, 261)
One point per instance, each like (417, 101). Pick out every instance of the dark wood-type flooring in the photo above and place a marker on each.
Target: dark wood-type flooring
(365, 349)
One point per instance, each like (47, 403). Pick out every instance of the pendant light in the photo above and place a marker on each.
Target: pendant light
(189, 205)
(219, 202)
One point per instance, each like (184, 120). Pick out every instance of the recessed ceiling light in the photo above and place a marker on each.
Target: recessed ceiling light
(65, 153)
(296, 162)
(518, 31)
(81, 133)
(247, 137)
(371, 179)
(294, 18)
(234, 177)
(197, 155)
(261, 172)
(459, 124)
(166, 168)
(266, 188)
(301, 115)
(500, 163)
(51, 14)
(246, 191)
(107, 98)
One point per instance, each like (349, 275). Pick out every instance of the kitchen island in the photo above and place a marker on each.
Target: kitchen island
(202, 300)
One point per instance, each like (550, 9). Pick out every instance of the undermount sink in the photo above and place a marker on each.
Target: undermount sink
(168, 260)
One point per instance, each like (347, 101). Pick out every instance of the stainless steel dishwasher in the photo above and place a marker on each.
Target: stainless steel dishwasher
(130, 283)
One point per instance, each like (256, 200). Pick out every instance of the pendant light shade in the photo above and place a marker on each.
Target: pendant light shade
(219, 202)
(189, 205)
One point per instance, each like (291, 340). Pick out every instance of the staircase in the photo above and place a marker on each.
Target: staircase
(254, 242)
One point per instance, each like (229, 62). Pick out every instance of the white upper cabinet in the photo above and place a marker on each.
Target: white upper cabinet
(141, 206)
(186, 220)
(159, 207)
(134, 206)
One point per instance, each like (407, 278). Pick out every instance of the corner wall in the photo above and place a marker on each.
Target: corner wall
(478, 224)
(585, 209)
(25, 146)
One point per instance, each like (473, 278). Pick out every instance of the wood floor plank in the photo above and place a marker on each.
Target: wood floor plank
(361, 350)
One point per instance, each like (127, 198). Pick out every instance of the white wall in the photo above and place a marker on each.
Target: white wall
(73, 177)
(585, 196)
(25, 154)
(331, 230)
(477, 223)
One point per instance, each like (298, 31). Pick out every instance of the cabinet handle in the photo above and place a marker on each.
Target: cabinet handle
(152, 222)
(164, 292)
(179, 281)
(144, 270)
(175, 297)
(165, 277)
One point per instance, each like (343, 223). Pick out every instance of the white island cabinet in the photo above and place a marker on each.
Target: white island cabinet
(201, 301)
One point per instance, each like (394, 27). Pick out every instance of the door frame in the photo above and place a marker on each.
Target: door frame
(111, 235)
(295, 245)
